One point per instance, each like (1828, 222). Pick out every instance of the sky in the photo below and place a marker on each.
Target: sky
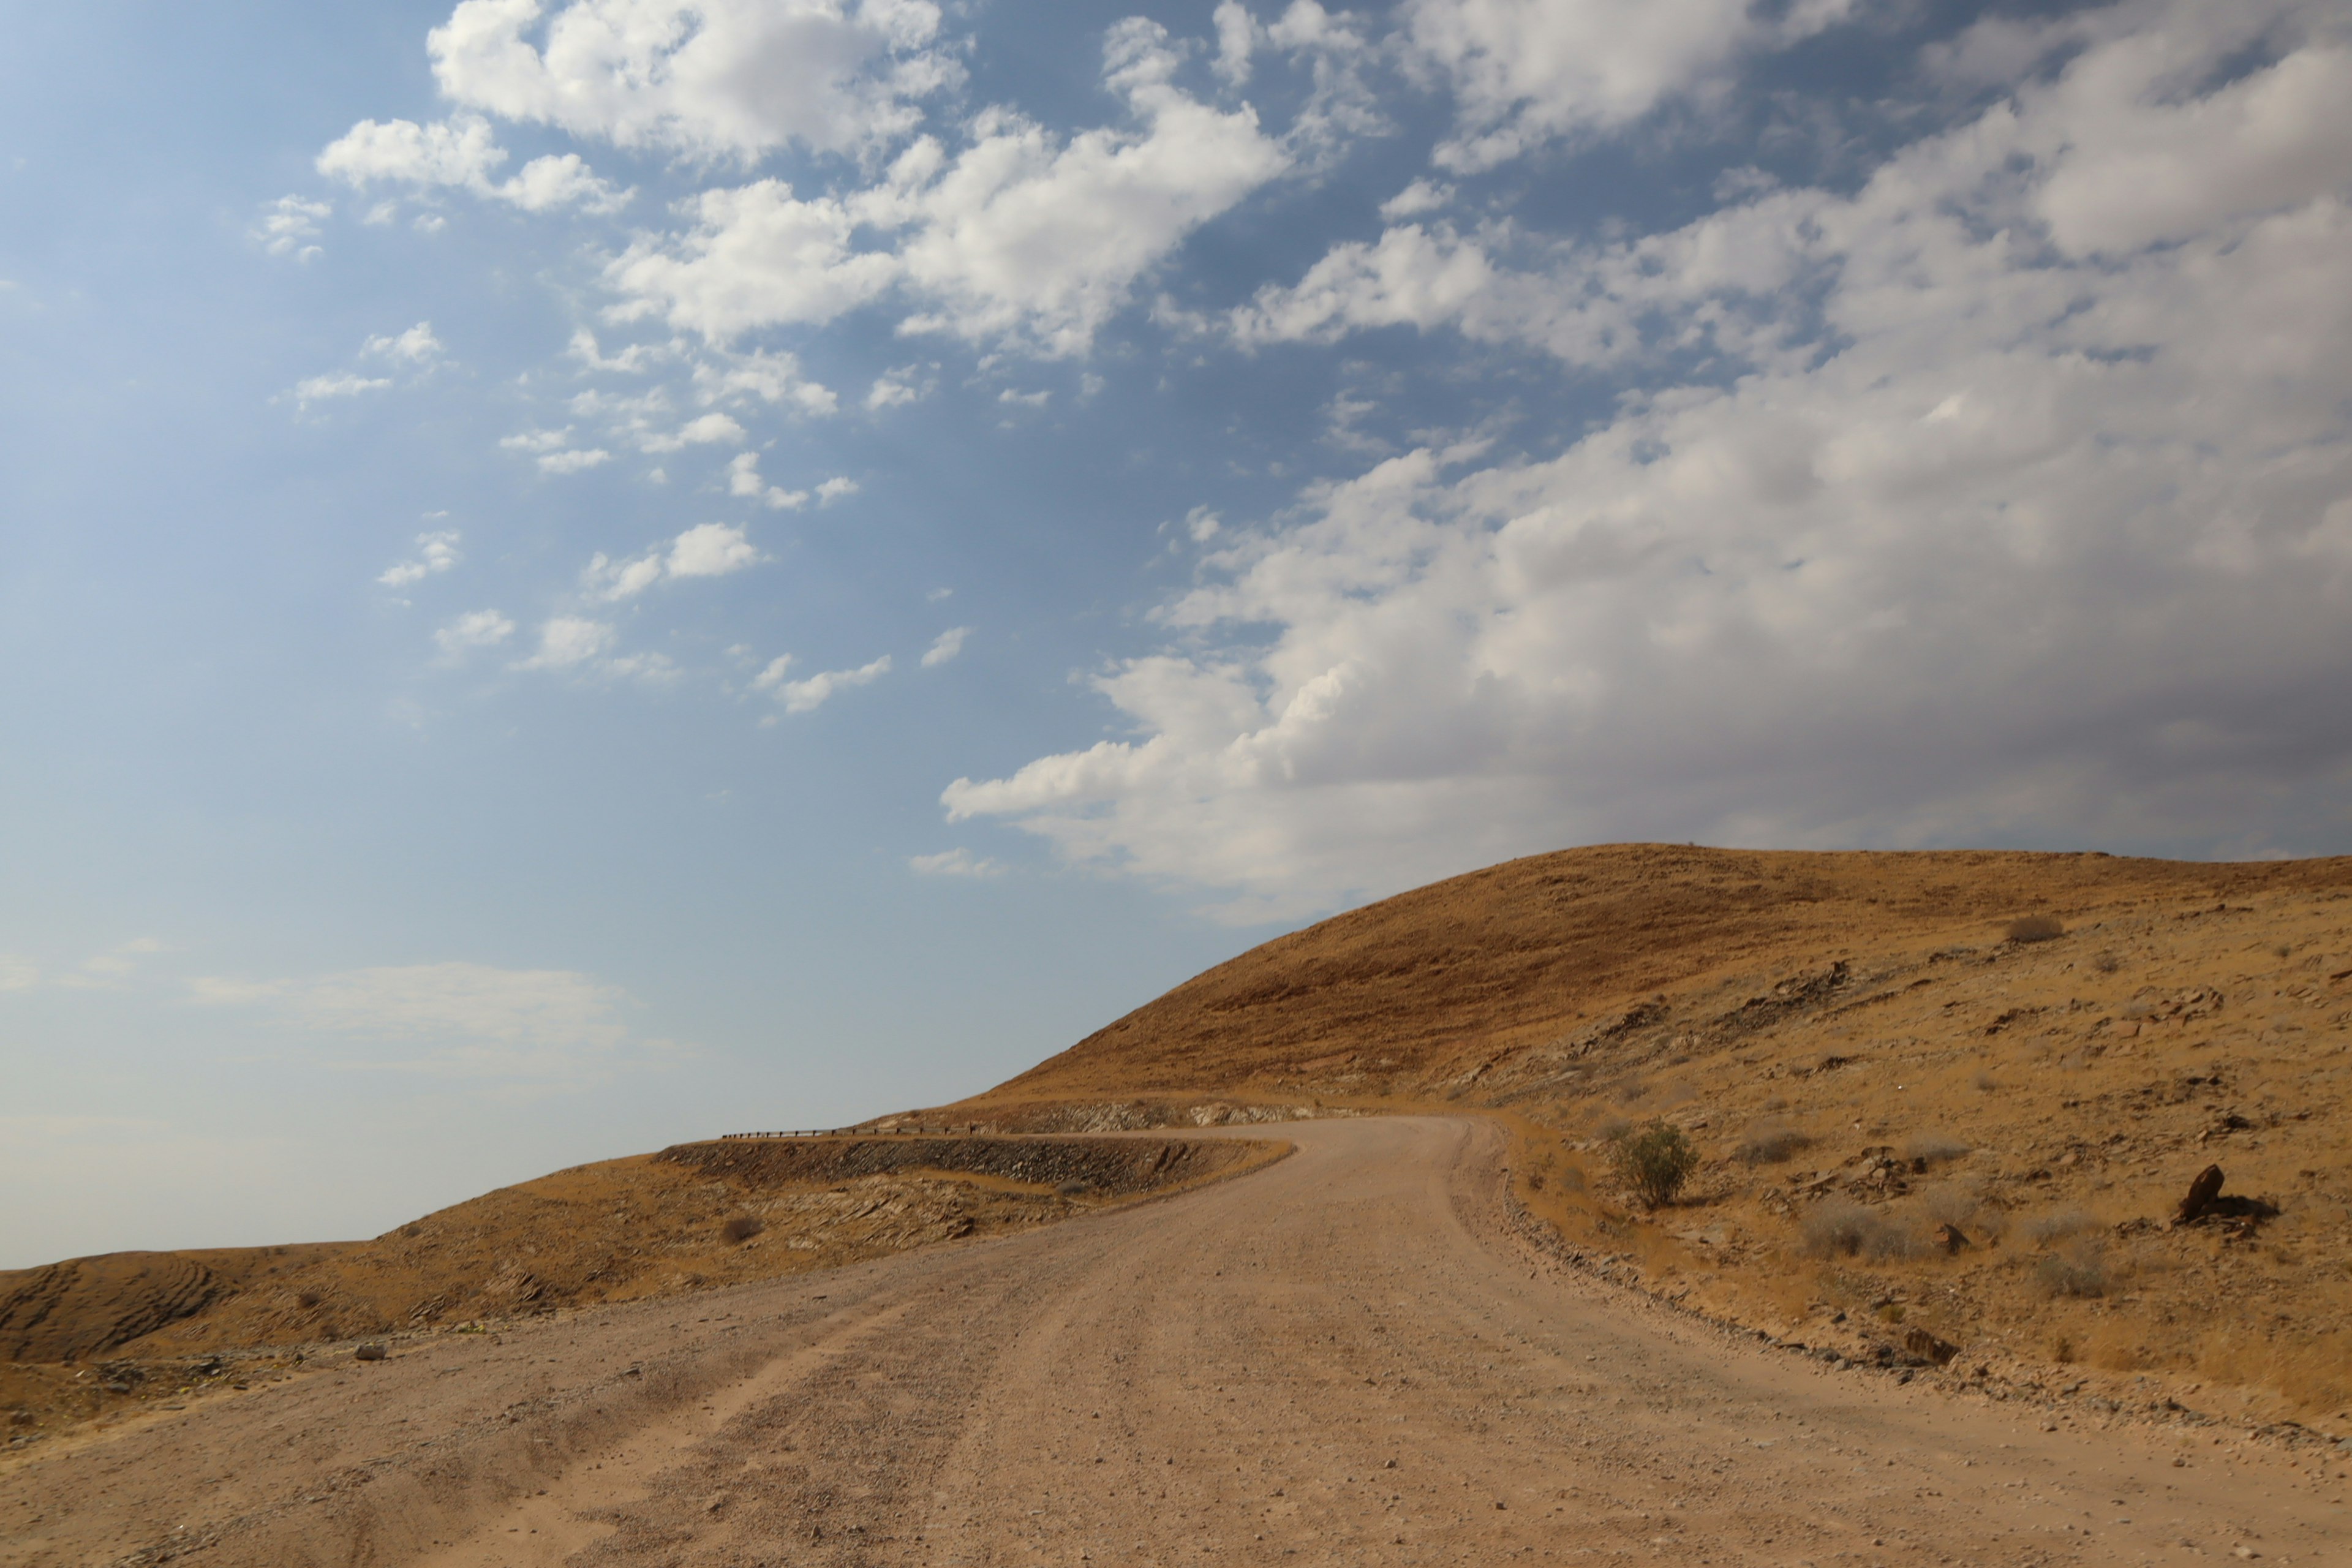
(582, 574)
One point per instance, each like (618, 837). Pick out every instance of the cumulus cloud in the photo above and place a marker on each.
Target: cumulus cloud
(566, 642)
(435, 553)
(743, 479)
(473, 629)
(1023, 236)
(806, 696)
(417, 345)
(456, 1020)
(337, 383)
(2042, 521)
(945, 646)
(711, 550)
(461, 153)
(706, 550)
(1525, 71)
(835, 488)
(290, 224)
(953, 863)
(735, 77)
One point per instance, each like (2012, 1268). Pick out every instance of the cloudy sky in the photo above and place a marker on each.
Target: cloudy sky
(581, 572)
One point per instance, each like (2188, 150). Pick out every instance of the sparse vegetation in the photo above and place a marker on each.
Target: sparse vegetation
(2057, 1225)
(1840, 1227)
(1655, 1161)
(1936, 1148)
(2033, 928)
(1768, 1141)
(742, 1228)
(2078, 1270)
(2106, 964)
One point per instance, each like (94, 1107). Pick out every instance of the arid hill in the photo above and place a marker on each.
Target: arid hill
(1962, 1093)
(80, 1336)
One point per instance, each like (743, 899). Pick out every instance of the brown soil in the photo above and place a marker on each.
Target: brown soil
(1841, 1032)
(1348, 1356)
(99, 1333)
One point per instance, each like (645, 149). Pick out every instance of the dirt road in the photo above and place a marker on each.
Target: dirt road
(1340, 1359)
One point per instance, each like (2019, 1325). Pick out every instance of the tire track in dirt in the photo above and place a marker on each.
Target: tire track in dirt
(1341, 1358)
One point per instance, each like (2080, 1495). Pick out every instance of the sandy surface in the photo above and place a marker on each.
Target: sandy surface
(1341, 1358)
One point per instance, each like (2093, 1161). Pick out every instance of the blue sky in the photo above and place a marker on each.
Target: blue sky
(583, 574)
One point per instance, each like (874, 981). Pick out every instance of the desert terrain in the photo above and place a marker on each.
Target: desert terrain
(1929, 1294)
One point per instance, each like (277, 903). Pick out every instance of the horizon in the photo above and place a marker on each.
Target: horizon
(567, 589)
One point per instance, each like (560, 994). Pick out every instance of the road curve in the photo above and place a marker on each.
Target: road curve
(1341, 1358)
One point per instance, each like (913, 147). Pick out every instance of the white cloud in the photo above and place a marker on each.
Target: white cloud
(706, 550)
(342, 383)
(17, 974)
(711, 550)
(1421, 196)
(108, 969)
(435, 553)
(894, 388)
(475, 628)
(450, 1020)
(743, 479)
(1021, 237)
(573, 462)
(946, 646)
(417, 345)
(706, 431)
(1524, 71)
(2046, 522)
(835, 488)
(608, 581)
(536, 440)
(735, 77)
(288, 224)
(461, 153)
(566, 642)
(770, 376)
(802, 696)
(952, 863)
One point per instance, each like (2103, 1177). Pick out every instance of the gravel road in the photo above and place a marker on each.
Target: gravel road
(1341, 1358)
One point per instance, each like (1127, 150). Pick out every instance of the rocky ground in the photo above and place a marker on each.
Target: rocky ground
(1354, 1355)
(99, 1334)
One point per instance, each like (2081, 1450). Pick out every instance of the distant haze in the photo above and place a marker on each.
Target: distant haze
(577, 574)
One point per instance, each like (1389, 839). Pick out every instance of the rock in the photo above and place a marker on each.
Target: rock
(1951, 1238)
(1922, 1343)
(2199, 1197)
(370, 1351)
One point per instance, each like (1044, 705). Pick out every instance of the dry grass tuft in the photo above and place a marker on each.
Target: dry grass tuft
(742, 1228)
(1768, 1141)
(2078, 1270)
(2057, 1225)
(2033, 928)
(1840, 1227)
(1936, 1148)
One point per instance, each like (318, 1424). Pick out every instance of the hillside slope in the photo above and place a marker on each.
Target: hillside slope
(1862, 1057)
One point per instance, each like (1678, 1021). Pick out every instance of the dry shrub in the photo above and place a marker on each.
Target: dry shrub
(308, 1298)
(1768, 1141)
(1840, 1227)
(742, 1228)
(1986, 1081)
(2033, 928)
(1074, 1189)
(1655, 1162)
(1936, 1148)
(2057, 1225)
(1610, 1129)
(2106, 964)
(2080, 1268)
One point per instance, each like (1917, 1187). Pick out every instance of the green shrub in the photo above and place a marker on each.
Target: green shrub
(1654, 1161)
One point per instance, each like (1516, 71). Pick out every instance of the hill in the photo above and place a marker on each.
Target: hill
(1864, 1048)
